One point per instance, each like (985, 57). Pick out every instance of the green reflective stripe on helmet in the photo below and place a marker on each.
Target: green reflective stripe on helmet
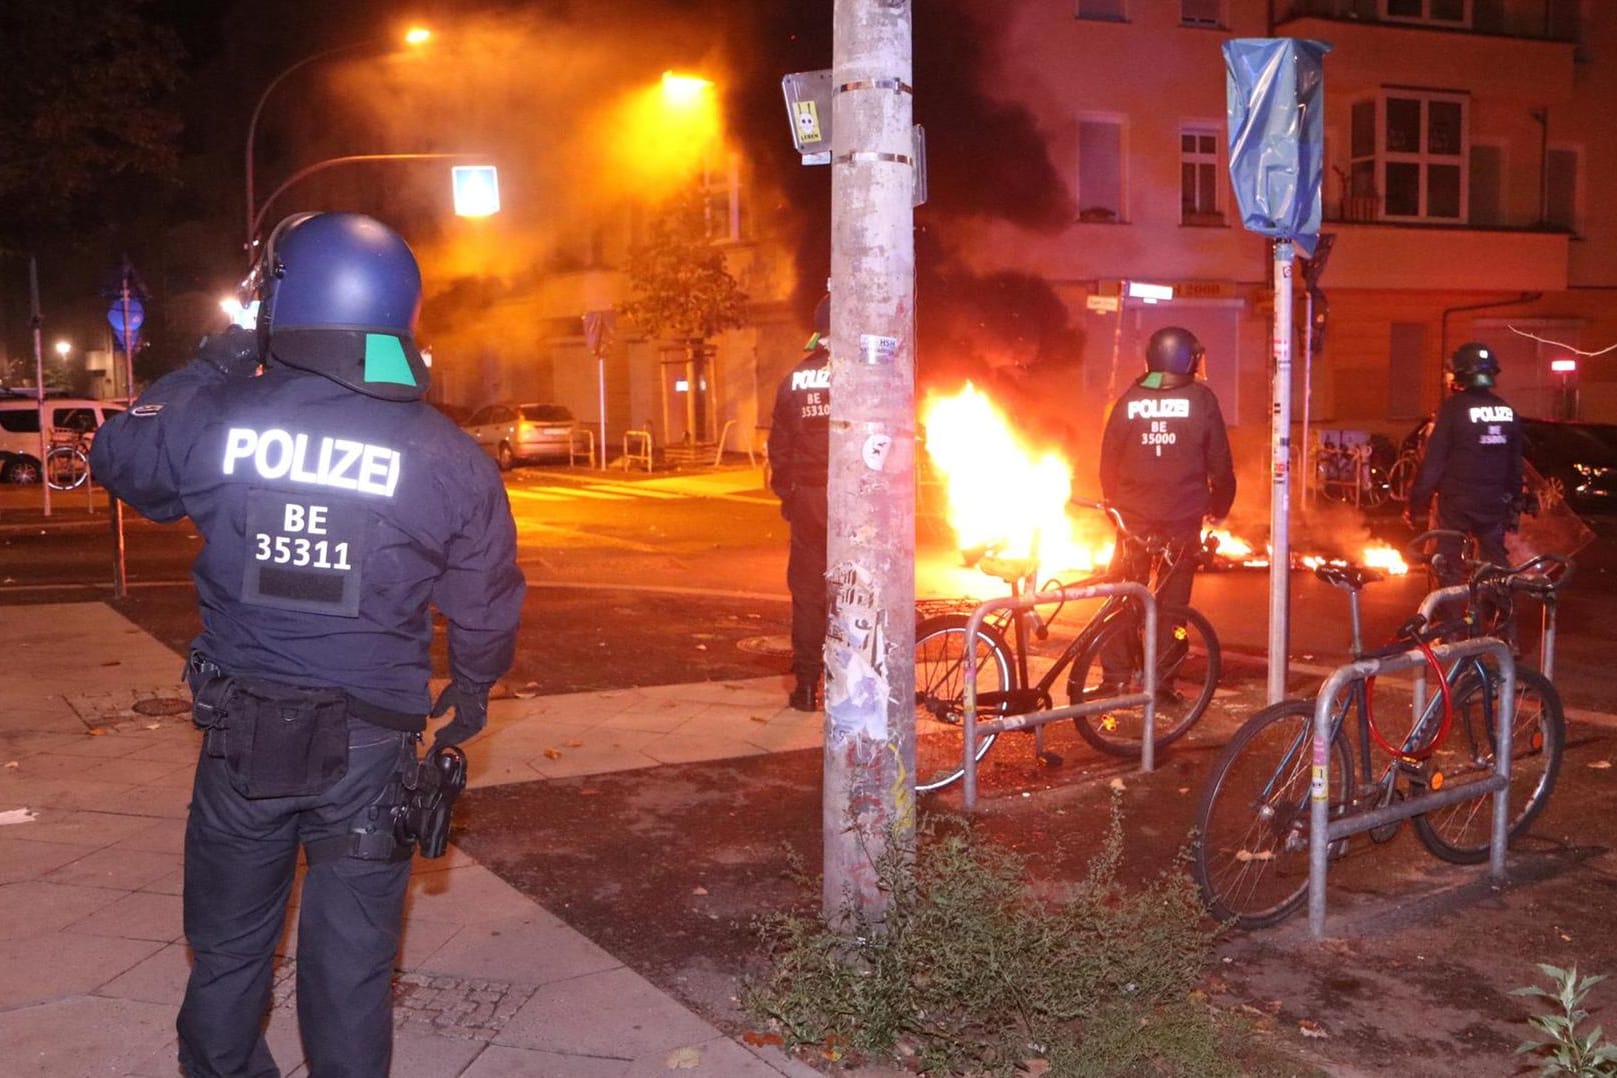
(385, 361)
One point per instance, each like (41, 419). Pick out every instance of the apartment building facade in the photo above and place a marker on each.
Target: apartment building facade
(1467, 191)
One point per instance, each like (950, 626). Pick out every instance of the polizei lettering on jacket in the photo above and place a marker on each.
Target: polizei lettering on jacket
(1492, 413)
(815, 379)
(331, 462)
(1160, 408)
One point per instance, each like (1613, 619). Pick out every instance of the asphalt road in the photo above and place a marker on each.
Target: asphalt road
(633, 583)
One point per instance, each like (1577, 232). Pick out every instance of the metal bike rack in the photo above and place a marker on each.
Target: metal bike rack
(1460, 593)
(636, 448)
(588, 452)
(1035, 720)
(1323, 830)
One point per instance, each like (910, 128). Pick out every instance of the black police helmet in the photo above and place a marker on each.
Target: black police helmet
(1474, 364)
(338, 296)
(822, 324)
(1173, 351)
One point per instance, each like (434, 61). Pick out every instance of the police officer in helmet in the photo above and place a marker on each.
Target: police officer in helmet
(338, 510)
(799, 446)
(1472, 463)
(1165, 466)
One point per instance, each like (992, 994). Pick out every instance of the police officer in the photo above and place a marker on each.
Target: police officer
(799, 445)
(337, 509)
(1472, 463)
(1165, 466)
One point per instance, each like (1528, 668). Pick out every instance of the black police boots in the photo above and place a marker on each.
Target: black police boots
(806, 696)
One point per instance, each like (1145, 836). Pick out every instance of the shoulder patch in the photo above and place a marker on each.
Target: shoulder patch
(144, 410)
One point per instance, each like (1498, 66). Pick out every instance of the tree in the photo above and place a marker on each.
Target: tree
(680, 290)
(86, 85)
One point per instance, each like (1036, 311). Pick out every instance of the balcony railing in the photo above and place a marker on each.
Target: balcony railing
(1539, 20)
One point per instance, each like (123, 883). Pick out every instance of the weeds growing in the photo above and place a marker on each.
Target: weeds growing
(967, 974)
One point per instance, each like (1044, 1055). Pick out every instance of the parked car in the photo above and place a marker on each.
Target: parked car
(1577, 459)
(513, 433)
(19, 429)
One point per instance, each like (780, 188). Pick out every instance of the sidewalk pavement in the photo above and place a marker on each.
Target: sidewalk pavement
(96, 757)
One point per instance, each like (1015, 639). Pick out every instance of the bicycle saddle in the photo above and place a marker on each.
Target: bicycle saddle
(1007, 569)
(1348, 577)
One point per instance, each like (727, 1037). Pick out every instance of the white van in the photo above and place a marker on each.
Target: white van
(19, 429)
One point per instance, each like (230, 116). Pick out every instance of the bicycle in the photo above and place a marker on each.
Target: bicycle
(1250, 853)
(67, 461)
(1189, 659)
(1347, 474)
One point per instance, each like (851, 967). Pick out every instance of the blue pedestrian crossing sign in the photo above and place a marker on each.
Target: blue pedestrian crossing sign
(119, 317)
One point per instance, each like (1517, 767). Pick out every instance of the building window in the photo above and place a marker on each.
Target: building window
(1207, 14)
(1435, 12)
(1100, 170)
(1487, 186)
(1198, 176)
(1561, 190)
(723, 205)
(1411, 150)
(1109, 10)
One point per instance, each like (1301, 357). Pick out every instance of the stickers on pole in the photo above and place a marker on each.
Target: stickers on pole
(877, 350)
(856, 656)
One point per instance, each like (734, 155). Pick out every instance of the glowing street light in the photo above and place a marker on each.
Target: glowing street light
(682, 91)
(63, 348)
(417, 35)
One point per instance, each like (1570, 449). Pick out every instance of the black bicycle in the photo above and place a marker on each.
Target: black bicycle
(1188, 664)
(1251, 847)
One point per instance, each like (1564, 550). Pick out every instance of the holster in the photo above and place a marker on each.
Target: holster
(430, 799)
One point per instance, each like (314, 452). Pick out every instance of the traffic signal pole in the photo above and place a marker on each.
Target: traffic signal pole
(869, 755)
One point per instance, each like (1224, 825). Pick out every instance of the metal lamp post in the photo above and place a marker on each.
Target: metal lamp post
(415, 36)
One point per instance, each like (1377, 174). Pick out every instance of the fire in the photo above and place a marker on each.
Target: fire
(1386, 558)
(1003, 494)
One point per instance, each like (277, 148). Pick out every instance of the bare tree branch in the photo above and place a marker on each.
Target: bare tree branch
(1562, 344)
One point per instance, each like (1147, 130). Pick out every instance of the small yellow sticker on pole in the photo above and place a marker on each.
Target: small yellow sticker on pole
(807, 115)
(1317, 784)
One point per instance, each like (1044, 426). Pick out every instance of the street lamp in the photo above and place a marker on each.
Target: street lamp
(63, 348)
(414, 37)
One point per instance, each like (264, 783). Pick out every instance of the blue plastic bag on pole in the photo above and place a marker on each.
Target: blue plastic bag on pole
(1275, 91)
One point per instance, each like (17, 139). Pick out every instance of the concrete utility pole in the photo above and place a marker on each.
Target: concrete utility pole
(869, 797)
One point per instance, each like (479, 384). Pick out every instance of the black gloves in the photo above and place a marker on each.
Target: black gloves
(470, 703)
(234, 351)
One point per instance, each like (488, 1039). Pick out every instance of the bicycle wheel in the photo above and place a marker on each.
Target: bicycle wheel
(1459, 833)
(1400, 477)
(66, 467)
(940, 687)
(1188, 664)
(1250, 850)
(1373, 489)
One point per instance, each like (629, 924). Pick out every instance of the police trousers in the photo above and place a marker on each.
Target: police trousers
(1485, 524)
(805, 579)
(240, 859)
(1133, 562)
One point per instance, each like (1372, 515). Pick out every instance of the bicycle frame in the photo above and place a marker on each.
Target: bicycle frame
(1323, 830)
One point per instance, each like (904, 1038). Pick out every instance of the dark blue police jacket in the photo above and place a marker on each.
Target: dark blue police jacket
(332, 522)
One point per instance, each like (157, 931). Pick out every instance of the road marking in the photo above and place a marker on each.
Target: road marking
(552, 494)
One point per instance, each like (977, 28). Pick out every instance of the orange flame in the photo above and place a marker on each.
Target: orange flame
(1003, 494)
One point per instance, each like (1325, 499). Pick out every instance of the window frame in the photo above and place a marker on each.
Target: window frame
(1199, 129)
(1465, 22)
(1121, 16)
(1120, 122)
(1422, 157)
(1220, 19)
